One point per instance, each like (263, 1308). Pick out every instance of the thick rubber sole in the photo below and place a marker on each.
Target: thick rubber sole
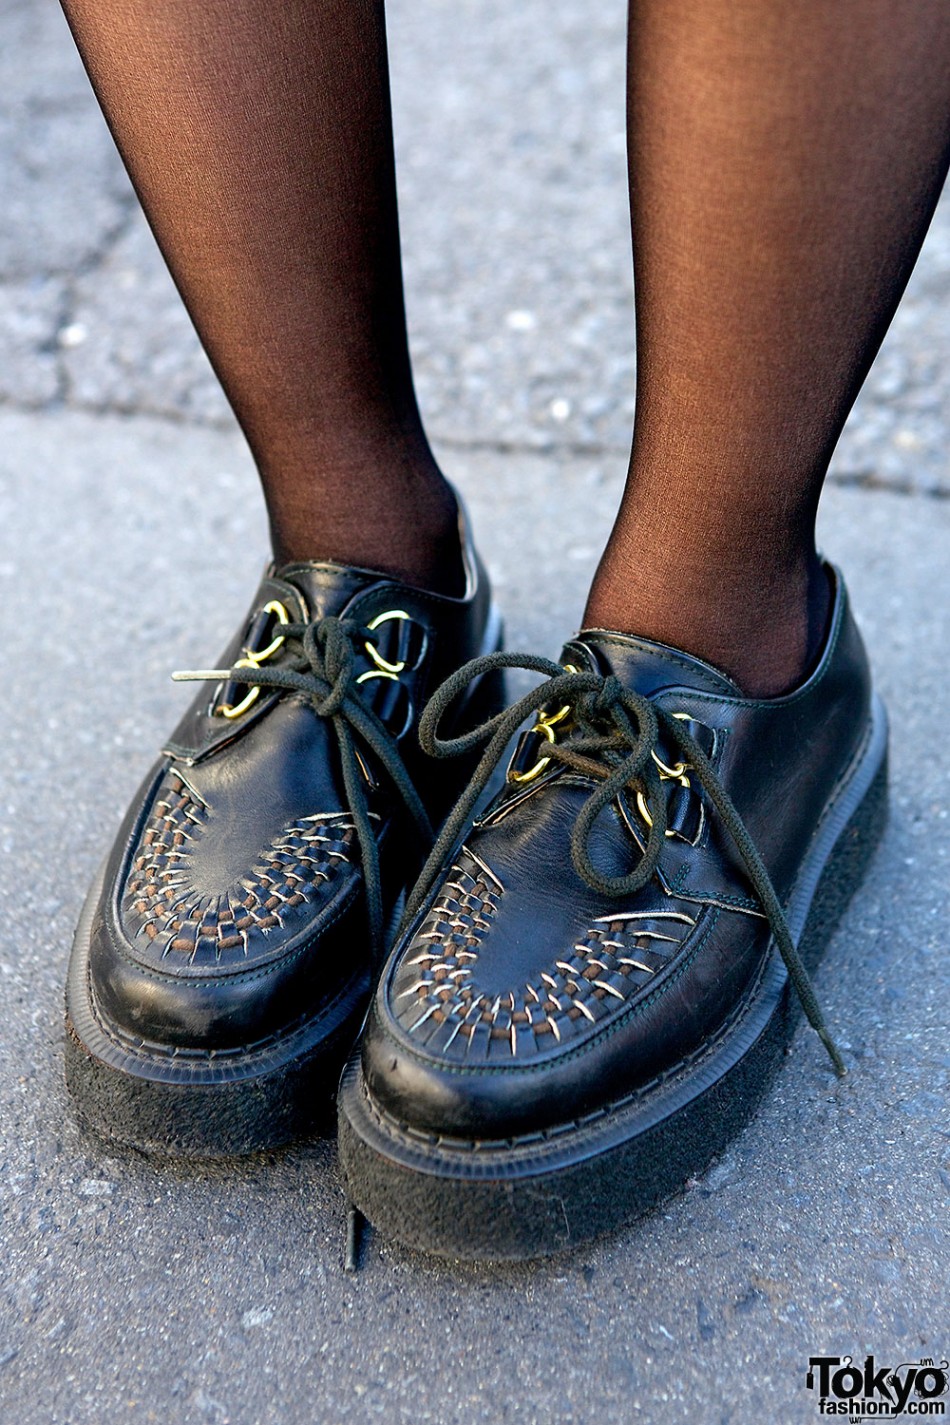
(550, 1191)
(192, 1103)
(198, 1104)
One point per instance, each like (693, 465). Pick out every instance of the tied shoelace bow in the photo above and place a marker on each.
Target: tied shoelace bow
(614, 732)
(321, 665)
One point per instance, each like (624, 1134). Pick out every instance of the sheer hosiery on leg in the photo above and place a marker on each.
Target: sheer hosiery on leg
(784, 161)
(259, 139)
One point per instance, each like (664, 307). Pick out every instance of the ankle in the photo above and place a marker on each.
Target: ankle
(765, 634)
(407, 527)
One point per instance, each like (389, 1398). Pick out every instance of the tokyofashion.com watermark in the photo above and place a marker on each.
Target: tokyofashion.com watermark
(873, 1392)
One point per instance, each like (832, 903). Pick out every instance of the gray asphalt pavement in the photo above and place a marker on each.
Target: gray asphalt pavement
(131, 532)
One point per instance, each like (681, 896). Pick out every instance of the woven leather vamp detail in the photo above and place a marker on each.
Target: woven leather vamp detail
(444, 1009)
(165, 915)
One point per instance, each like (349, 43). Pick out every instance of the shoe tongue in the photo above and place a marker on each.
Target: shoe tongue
(647, 667)
(327, 588)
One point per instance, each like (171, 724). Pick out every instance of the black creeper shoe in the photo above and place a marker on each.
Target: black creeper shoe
(592, 988)
(225, 954)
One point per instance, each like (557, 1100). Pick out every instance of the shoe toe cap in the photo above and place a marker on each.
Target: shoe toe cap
(499, 1016)
(206, 938)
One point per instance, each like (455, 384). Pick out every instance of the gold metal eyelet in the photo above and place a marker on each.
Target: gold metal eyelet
(378, 673)
(667, 774)
(383, 666)
(232, 710)
(544, 729)
(253, 659)
(276, 608)
(672, 774)
(677, 773)
(644, 811)
(544, 726)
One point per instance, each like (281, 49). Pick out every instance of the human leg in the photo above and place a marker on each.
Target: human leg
(224, 957)
(594, 983)
(259, 139)
(784, 166)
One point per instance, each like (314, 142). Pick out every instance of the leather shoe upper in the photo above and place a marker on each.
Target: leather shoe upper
(234, 900)
(522, 995)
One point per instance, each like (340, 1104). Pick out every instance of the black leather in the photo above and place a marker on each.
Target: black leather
(520, 997)
(233, 903)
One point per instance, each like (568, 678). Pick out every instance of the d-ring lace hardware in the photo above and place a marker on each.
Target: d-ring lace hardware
(383, 669)
(395, 645)
(667, 774)
(544, 726)
(615, 744)
(321, 668)
(251, 658)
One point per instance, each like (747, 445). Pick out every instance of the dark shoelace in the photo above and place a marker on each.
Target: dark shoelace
(614, 733)
(321, 664)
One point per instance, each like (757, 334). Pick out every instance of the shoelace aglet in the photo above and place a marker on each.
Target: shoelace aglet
(833, 1052)
(351, 1254)
(197, 675)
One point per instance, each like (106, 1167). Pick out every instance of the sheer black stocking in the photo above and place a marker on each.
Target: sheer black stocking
(785, 161)
(259, 139)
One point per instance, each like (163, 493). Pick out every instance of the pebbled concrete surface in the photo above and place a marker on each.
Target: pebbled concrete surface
(130, 533)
